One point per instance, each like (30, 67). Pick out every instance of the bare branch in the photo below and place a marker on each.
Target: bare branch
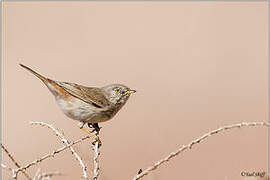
(140, 173)
(6, 167)
(46, 175)
(50, 174)
(64, 140)
(14, 161)
(36, 177)
(192, 143)
(96, 160)
(51, 155)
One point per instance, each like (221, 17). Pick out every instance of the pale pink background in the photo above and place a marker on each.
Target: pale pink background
(196, 66)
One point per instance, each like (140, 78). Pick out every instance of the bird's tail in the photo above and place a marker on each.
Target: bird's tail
(52, 85)
(44, 79)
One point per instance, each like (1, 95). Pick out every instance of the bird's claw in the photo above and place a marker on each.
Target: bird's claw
(97, 140)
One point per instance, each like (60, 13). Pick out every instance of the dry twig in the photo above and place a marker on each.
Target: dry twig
(6, 167)
(51, 155)
(46, 175)
(96, 160)
(14, 161)
(64, 140)
(192, 143)
(96, 149)
(36, 177)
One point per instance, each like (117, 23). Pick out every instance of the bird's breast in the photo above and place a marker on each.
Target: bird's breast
(75, 108)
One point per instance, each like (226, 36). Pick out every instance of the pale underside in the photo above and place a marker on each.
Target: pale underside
(85, 104)
(80, 110)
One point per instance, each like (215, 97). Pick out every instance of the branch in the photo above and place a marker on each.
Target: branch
(64, 140)
(96, 160)
(46, 175)
(51, 155)
(6, 167)
(49, 174)
(14, 161)
(192, 143)
(36, 177)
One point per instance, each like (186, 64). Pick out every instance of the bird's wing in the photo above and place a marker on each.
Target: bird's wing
(89, 95)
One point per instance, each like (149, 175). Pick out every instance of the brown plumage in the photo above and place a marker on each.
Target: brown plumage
(47, 81)
(86, 94)
(87, 104)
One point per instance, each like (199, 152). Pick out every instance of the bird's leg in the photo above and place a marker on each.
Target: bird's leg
(95, 126)
(95, 130)
(91, 134)
(88, 132)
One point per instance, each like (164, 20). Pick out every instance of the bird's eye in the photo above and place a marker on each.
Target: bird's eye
(118, 91)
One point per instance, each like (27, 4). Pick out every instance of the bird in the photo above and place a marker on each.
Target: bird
(91, 105)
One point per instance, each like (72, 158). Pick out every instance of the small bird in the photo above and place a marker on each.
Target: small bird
(90, 105)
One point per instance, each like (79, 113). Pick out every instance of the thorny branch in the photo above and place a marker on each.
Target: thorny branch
(96, 146)
(64, 140)
(14, 161)
(192, 143)
(46, 175)
(140, 173)
(50, 174)
(6, 167)
(51, 155)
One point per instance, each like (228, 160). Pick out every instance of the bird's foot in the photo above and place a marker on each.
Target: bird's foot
(95, 126)
(93, 135)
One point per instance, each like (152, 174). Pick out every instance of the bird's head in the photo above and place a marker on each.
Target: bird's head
(118, 93)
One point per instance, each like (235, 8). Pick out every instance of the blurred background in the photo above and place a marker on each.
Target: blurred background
(196, 66)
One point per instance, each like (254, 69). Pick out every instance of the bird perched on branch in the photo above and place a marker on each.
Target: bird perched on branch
(89, 105)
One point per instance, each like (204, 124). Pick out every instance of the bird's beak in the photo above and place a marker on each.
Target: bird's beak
(130, 92)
